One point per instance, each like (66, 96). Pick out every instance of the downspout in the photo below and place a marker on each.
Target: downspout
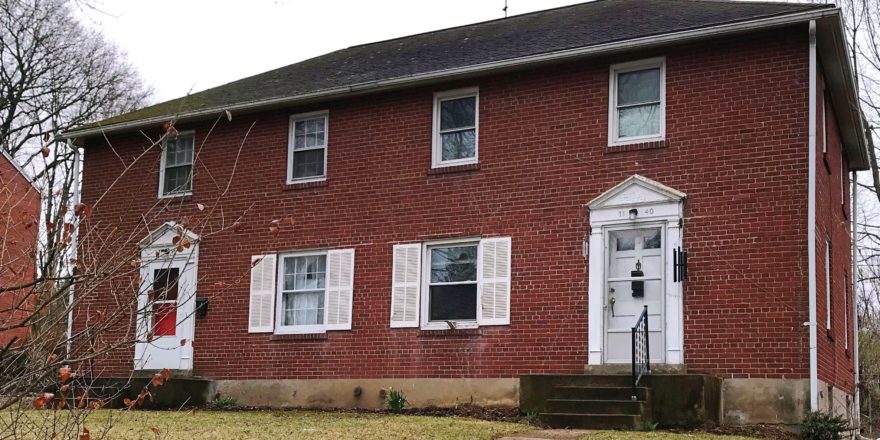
(74, 244)
(811, 224)
(855, 304)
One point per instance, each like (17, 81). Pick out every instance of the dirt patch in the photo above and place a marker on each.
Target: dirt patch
(769, 432)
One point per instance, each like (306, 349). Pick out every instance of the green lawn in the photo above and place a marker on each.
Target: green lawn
(280, 425)
(272, 425)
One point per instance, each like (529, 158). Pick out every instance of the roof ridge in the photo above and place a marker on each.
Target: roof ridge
(763, 2)
(479, 23)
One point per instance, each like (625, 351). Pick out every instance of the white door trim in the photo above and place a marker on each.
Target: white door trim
(656, 204)
(158, 248)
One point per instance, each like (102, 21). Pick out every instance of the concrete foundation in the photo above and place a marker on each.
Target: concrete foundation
(836, 401)
(370, 393)
(777, 401)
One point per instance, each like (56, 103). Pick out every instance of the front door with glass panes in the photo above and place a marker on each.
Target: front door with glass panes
(167, 303)
(452, 285)
(634, 280)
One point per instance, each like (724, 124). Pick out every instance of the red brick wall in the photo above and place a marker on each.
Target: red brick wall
(19, 212)
(833, 208)
(736, 144)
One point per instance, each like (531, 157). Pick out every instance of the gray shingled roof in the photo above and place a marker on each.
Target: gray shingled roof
(576, 26)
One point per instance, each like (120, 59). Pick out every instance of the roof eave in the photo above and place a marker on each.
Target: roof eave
(468, 71)
(841, 81)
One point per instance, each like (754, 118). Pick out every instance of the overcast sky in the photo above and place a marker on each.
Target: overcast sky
(185, 45)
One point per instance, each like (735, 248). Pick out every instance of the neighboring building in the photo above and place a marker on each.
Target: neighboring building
(19, 216)
(447, 212)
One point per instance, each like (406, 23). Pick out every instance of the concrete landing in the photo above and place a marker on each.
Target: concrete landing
(550, 434)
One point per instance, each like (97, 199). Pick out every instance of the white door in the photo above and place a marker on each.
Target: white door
(635, 258)
(166, 315)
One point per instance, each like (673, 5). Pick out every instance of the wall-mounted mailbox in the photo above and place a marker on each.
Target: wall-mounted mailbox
(201, 307)
(638, 287)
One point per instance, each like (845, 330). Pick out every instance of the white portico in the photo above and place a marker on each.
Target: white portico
(635, 226)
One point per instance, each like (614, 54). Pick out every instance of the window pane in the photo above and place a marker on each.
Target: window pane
(305, 273)
(457, 113)
(165, 284)
(303, 308)
(178, 179)
(179, 151)
(638, 87)
(309, 133)
(652, 238)
(459, 145)
(308, 163)
(299, 134)
(454, 264)
(626, 240)
(639, 121)
(453, 302)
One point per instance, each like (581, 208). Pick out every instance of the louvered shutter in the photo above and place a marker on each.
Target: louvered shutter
(494, 276)
(405, 284)
(262, 299)
(340, 287)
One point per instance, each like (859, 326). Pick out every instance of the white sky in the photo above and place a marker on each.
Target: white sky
(186, 45)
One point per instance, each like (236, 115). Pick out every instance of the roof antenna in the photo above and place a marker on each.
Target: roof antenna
(505, 9)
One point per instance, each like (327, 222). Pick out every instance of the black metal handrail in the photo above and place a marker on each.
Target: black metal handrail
(641, 365)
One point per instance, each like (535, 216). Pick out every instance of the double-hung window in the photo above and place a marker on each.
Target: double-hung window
(456, 128)
(303, 286)
(451, 284)
(301, 292)
(638, 99)
(175, 178)
(307, 147)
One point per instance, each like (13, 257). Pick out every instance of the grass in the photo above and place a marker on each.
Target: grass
(272, 425)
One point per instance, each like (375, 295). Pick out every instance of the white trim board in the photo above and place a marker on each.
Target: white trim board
(657, 205)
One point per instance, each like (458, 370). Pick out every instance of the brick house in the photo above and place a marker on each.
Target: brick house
(465, 213)
(19, 214)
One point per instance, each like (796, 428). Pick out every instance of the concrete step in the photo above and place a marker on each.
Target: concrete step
(598, 392)
(593, 421)
(579, 406)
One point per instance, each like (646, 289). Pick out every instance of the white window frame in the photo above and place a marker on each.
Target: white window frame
(437, 141)
(291, 133)
(279, 297)
(828, 284)
(613, 114)
(426, 285)
(162, 161)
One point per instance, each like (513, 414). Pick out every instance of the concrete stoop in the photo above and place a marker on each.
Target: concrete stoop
(179, 391)
(605, 401)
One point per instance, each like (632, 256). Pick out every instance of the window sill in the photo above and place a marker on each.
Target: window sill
(451, 333)
(179, 198)
(299, 337)
(305, 185)
(637, 146)
(454, 169)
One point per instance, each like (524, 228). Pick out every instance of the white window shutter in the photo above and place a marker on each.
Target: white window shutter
(405, 285)
(494, 276)
(261, 310)
(340, 287)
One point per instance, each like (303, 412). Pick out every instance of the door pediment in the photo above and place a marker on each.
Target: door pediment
(164, 236)
(634, 191)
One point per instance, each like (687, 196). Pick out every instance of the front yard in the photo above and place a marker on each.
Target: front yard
(272, 425)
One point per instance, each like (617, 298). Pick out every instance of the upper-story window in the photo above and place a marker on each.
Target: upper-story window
(175, 176)
(307, 147)
(456, 128)
(638, 102)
